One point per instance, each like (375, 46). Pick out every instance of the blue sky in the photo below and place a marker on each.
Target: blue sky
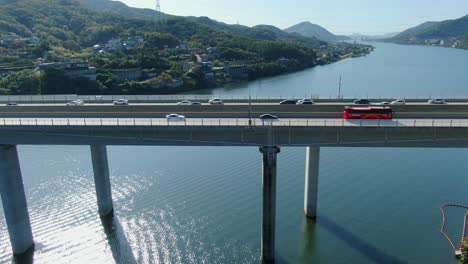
(338, 16)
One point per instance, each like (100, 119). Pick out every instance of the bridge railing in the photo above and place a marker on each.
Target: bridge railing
(62, 98)
(229, 122)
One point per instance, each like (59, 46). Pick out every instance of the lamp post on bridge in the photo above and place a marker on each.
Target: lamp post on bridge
(250, 109)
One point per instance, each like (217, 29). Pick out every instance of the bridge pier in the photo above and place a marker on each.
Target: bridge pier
(102, 179)
(311, 181)
(14, 200)
(269, 203)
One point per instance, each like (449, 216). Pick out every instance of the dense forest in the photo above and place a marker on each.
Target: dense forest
(67, 29)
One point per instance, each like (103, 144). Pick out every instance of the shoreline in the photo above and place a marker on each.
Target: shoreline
(184, 90)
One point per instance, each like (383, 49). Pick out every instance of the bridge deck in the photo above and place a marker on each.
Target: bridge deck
(235, 132)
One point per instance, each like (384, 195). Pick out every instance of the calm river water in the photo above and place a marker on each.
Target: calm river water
(202, 205)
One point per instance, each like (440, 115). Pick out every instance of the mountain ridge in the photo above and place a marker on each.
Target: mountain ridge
(449, 33)
(309, 29)
(125, 10)
(265, 32)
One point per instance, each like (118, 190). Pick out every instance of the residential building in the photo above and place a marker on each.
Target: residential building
(128, 74)
(73, 68)
(114, 44)
(236, 71)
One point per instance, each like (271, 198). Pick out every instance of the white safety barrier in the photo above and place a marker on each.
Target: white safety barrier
(231, 122)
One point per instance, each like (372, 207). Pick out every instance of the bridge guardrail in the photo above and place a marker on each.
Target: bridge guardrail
(62, 98)
(227, 122)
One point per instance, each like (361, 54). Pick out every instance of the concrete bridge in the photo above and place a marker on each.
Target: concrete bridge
(117, 128)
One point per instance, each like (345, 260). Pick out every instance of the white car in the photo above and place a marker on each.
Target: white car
(436, 101)
(75, 102)
(216, 101)
(175, 117)
(305, 101)
(121, 102)
(185, 102)
(398, 102)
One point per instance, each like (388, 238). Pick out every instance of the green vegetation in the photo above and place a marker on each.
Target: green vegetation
(37, 31)
(21, 83)
(464, 257)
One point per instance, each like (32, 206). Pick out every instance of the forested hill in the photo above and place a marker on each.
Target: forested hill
(72, 26)
(263, 32)
(310, 30)
(449, 33)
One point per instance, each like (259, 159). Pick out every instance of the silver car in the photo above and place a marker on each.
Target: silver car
(216, 101)
(305, 101)
(121, 102)
(175, 117)
(436, 101)
(185, 102)
(398, 102)
(75, 102)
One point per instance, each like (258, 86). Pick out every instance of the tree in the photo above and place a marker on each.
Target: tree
(464, 257)
(160, 40)
(53, 81)
(21, 83)
(38, 50)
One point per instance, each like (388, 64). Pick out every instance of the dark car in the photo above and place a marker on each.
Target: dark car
(290, 101)
(195, 103)
(11, 104)
(362, 101)
(268, 117)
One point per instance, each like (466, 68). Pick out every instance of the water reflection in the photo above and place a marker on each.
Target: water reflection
(308, 231)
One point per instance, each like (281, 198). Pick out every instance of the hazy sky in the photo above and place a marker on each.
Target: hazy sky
(338, 16)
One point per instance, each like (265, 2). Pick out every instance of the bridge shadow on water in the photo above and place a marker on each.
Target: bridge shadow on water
(122, 251)
(368, 250)
(118, 242)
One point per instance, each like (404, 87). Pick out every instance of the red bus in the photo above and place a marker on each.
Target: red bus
(371, 112)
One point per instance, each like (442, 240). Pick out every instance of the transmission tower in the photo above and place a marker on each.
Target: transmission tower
(158, 6)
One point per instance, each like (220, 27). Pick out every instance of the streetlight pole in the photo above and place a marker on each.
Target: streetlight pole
(250, 109)
(339, 89)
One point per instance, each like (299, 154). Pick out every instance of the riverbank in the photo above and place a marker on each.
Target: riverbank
(281, 71)
(390, 70)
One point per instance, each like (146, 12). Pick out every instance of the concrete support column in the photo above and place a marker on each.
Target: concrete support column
(269, 203)
(14, 200)
(311, 181)
(101, 179)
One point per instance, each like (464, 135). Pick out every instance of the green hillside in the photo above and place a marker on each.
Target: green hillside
(449, 33)
(34, 32)
(263, 32)
(310, 30)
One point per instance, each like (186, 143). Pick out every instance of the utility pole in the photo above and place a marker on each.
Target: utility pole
(158, 6)
(250, 109)
(339, 89)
